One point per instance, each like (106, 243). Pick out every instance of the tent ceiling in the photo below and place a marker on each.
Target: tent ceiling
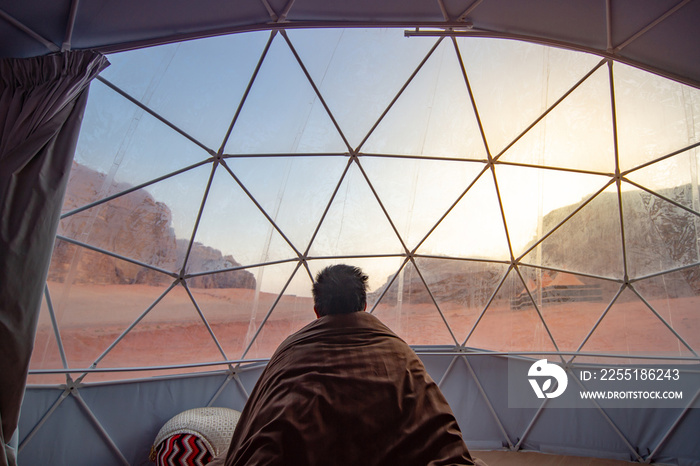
(657, 35)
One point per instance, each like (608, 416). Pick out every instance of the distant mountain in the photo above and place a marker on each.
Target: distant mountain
(205, 259)
(449, 280)
(135, 226)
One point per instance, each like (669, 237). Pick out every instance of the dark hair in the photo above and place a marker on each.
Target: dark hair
(340, 289)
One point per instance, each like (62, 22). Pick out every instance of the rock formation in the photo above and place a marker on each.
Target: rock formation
(658, 236)
(135, 226)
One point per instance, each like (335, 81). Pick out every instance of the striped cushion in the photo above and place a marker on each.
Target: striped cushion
(199, 430)
(182, 450)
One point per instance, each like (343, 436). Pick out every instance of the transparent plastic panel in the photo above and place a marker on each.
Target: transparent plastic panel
(434, 116)
(474, 228)
(234, 229)
(276, 315)
(675, 178)
(570, 304)
(590, 242)
(408, 309)
(45, 354)
(515, 82)
(282, 113)
(92, 309)
(676, 297)
(416, 193)
(150, 225)
(659, 235)
(576, 134)
(196, 85)
(171, 333)
(462, 289)
(655, 116)
(294, 191)
(150, 64)
(631, 328)
(359, 71)
(234, 312)
(508, 324)
(529, 195)
(355, 223)
(127, 144)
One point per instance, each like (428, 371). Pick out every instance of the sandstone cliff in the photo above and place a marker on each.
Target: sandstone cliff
(134, 226)
(658, 237)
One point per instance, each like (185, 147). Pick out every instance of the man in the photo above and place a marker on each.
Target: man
(345, 390)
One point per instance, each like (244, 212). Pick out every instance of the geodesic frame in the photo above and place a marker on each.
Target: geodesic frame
(408, 255)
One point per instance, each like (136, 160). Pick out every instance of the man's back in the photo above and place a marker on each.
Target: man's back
(346, 390)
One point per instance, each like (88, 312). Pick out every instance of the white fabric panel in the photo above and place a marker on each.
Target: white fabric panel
(132, 412)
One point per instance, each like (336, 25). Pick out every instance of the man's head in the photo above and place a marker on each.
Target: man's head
(340, 289)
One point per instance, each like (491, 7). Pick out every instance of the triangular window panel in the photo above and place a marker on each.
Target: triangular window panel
(45, 354)
(473, 228)
(359, 71)
(197, 85)
(282, 113)
(416, 193)
(92, 309)
(462, 289)
(674, 178)
(281, 186)
(576, 134)
(631, 328)
(589, 242)
(529, 195)
(528, 77)
(408, 310)
(511, 323)
(434, 116)
(237, 301)
(676, 297)
(127, 144)
(570, 304)
(171, 333)
(144, 225)
(355, 223)
(233, 230)
(654, 115)
(273, 317)
(137, 72)
(659, 235)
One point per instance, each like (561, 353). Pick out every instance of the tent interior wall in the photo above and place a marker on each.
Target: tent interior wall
(519, 180)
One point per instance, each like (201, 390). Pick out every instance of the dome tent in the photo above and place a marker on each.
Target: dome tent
(592, 175)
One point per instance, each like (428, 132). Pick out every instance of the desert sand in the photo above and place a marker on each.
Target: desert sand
(92, 317)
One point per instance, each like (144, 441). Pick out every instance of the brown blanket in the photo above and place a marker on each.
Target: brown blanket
(345, 390)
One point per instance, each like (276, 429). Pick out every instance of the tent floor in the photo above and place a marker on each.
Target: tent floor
(522, 458)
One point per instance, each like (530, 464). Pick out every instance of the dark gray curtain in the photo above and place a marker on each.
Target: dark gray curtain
(42, 100)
